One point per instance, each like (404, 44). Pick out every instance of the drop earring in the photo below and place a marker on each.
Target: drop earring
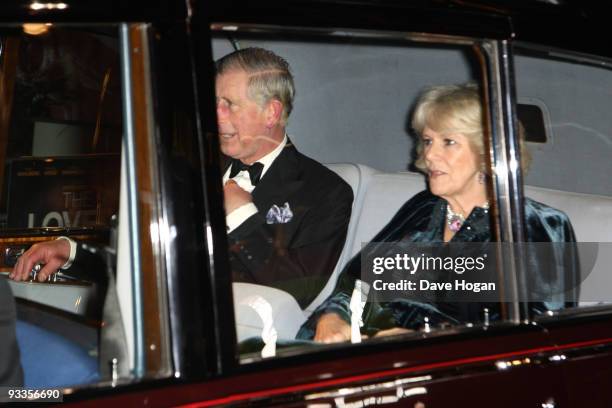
(481, 177)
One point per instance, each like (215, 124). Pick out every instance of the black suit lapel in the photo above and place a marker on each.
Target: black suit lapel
(280, 182)
(226, 162)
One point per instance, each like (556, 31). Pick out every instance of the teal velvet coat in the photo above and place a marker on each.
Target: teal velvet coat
(422, 220)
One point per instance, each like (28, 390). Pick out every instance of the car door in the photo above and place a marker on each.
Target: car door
(572, 160)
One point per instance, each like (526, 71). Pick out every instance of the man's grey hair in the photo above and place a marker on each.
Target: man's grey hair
(269, 76)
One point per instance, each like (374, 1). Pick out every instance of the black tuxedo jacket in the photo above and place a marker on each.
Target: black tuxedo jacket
(299, 255)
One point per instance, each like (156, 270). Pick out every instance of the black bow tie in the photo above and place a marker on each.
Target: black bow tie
(254, 170)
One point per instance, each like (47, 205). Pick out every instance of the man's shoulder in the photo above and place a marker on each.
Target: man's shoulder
(316, 172)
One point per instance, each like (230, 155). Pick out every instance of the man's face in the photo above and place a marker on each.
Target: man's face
(241, 122)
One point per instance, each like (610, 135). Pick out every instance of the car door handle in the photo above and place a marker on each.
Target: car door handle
(12, 253)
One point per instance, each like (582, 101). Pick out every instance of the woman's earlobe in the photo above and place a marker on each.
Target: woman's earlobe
(482, 177)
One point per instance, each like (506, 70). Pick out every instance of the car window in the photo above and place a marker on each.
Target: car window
(65, 173)
(569, 170)
(353, 112)
(62, 124)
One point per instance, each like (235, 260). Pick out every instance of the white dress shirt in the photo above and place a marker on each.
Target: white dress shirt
(234, 219)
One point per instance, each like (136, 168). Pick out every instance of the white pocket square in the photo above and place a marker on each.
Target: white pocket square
(279, 215)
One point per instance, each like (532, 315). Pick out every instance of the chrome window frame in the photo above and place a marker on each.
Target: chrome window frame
(132, 188)
(497, 71)
(148, 221)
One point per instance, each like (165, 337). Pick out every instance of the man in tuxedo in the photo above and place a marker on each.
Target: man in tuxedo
(287, 215)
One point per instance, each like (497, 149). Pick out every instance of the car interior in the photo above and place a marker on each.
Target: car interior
(374, 154)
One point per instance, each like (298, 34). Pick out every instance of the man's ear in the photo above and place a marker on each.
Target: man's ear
(274, 113)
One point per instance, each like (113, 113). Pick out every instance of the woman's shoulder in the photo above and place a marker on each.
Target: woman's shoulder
(423, 201)
(417, 209)
(414, 214)
(547, 224)
(542, 210)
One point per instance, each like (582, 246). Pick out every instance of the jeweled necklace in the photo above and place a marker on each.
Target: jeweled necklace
(456, 220)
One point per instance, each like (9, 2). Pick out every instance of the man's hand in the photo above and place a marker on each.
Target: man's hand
(51, 254)
(235, 196)
(332, 329)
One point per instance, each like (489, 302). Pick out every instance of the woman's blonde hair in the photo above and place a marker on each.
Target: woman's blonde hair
(455, 109)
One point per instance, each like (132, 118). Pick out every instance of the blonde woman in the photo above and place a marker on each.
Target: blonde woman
(449, 123)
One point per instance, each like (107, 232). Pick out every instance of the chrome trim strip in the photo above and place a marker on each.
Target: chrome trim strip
(515, 173)
(132, 186)
(495, 56)
(419, 382)
(160, 231)
(579, 353)
(228, 27)
(524, 48)
(381, 386)
(577, 312)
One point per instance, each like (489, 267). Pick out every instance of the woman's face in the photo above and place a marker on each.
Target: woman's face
(452, 164)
